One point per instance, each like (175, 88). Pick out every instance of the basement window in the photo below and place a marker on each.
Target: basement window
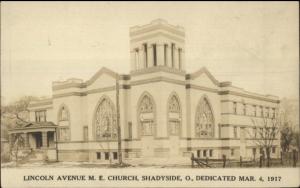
(106, 155)
(98, 155)
(115, 155)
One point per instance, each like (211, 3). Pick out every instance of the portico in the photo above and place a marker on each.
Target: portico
(35, 137)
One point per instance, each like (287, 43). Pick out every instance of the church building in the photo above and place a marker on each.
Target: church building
(165, 112)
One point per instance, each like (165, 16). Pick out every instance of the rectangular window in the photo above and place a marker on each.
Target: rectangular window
(98, 155)
(64, 133)
(253, 151)
(267, 112)
(273, 112)
(115, 155)
(261, 151)
(145, 55)
(129, 130)
(234, 108)
(204, 153)
(147, 128)
(254, 110)
(85, 133)
(210, 152)
(261, 111)
(235, 132)
(261, 132)
(106, 155)
(154, 55)
(198, 153)
(172, 54)
(232, 152)
(273, 149)
(40, 116)
(244, 109)
(254, 132)
(165, 54)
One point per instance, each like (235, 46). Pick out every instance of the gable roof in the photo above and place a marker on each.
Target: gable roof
(103, 70)
(32, 125)
(201, 71)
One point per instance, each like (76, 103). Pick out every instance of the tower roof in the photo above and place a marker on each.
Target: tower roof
(157, 24)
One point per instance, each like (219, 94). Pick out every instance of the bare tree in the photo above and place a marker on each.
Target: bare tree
(296, 140)
(286, 137)
(16, 108)
(265, 132)
(14, 114)
(18, 143)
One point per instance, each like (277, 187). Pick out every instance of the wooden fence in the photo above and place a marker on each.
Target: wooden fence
(286, 159)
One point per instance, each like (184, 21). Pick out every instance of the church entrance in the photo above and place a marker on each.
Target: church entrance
(146, 119)
(174, 138)
(147, 138)
(174, 124)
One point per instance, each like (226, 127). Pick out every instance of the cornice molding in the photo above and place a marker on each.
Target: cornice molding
(159, 68)
(228, 92)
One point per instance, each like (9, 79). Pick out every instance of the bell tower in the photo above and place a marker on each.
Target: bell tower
(157, 44)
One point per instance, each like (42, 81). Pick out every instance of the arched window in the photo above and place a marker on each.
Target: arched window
(63, 114)
(146, 115)
(204, 122)
(63, 123)
(174, 115)
(105, 120)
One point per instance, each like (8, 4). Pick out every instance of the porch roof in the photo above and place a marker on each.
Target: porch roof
(33, 127)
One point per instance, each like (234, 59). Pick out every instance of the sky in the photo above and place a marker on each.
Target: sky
(255, 45)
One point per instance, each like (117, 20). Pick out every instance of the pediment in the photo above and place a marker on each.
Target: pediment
(204, 78)
(103, 78)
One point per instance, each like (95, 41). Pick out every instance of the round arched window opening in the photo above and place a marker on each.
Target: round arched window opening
(204, 121)
(174, 115)
(105, 120)
(146, 115)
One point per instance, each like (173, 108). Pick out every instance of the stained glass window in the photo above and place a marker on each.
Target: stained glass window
(174, 115)
(146, 110)
(204, 123)
(105, 120)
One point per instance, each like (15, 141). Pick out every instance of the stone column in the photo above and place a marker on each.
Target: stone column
(150, 56)
(176, 63)
(54, 136)
(169, 56)
(182, 60)
(160, 54)
(173, 55)
(137, 59)
(44, 139)
(141, 58)
(26, 140)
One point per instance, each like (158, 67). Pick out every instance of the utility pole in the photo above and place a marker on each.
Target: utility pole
(118, 122)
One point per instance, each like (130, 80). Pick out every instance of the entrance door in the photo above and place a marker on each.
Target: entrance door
(38, 140)
(174, 131)
(147, 139)
(174, 143)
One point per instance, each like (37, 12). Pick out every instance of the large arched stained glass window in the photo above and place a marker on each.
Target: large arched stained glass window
(204, 122)
(105, 120)
(146, 115)
(174, 115)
